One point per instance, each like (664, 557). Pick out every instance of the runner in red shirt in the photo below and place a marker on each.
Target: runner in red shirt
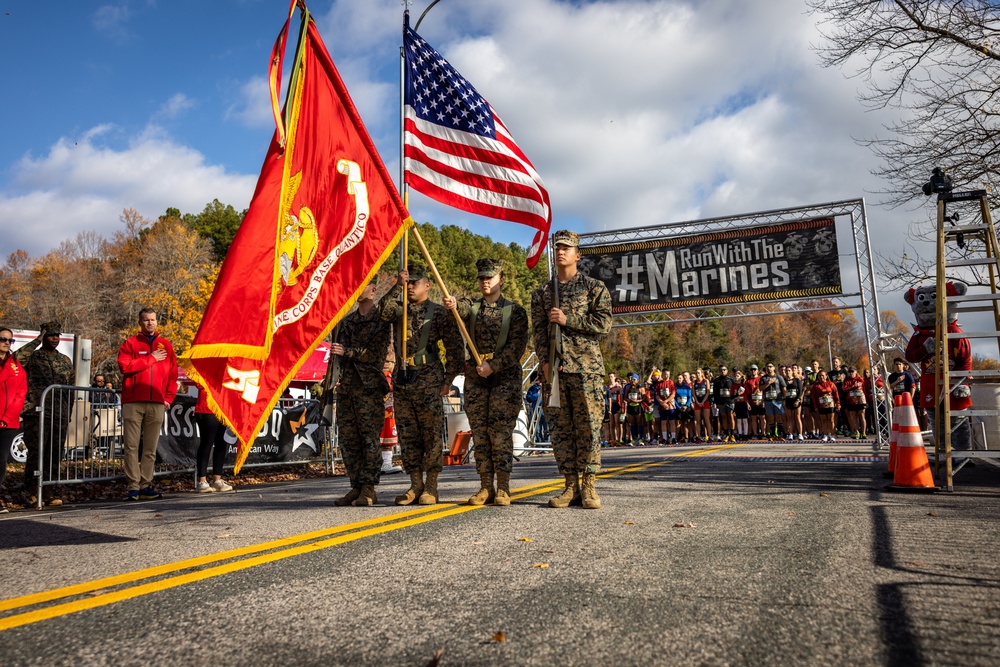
(664, 396)
(854, 396)
(826, 398)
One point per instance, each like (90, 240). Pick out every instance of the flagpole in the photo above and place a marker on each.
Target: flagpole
(422, 15)
(447, 295)
(404, 246)
(402, 186)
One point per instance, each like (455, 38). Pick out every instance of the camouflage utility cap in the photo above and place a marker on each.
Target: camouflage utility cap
(52, 328)
(566, 237)
(417, 271)
(487, 268)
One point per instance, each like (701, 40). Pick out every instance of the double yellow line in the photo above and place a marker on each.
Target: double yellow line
(179, 573)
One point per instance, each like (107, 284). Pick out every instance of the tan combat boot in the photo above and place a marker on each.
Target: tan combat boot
(416, 488)
(503, 489)
(348, 498)
(367, 498)
(570, 495)
(485, 494)
(430, 494)
(588, 492)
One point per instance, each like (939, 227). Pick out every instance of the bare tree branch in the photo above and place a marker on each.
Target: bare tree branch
(935, 61)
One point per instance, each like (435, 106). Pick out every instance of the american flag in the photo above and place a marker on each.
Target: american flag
(458, 151)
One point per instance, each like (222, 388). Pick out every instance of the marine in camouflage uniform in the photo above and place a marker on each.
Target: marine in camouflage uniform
(417, 391)
(499, 329)
(45, 367)
(585, 315)
(361, 344)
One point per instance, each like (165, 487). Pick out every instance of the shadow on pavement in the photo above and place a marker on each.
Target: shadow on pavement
(751, 476)
(898, 633)
(21, 533)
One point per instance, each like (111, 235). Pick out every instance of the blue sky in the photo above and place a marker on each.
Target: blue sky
(149, 104)
(178, 64)
(634, 112)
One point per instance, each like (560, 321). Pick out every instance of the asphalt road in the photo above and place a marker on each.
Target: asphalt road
(761, 554)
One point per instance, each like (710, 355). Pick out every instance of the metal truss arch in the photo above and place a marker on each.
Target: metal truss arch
(861, 297)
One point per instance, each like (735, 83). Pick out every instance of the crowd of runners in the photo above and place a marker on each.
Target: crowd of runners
(773, 402)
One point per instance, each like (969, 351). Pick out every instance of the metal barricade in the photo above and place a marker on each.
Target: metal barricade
(81, 438)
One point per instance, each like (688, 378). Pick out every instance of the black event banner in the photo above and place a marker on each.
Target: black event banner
(290, 434)
(792, 260)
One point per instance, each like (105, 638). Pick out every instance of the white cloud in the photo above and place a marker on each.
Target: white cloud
(175, 106)
(642, 113)
(635, 113)
(252, 107)
(112, 19)
(85, 185)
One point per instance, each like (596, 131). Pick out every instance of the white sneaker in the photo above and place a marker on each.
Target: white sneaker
(800, 437)
(220, 485)
(203, 487)
(833, 438)
(826, 438)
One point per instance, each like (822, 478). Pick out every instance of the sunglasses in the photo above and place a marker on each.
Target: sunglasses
(4, 339)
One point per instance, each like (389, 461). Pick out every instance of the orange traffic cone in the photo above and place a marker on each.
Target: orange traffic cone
(913, 470)
(389, 437)
(896, 402)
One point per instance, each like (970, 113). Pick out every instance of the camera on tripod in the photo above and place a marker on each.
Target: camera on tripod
(940, 182)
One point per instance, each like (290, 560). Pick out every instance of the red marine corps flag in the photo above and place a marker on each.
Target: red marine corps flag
(323, 218)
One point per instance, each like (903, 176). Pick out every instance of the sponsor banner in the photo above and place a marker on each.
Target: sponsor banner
(289, 434)
(794, 260)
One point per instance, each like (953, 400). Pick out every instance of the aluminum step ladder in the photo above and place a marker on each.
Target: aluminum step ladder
(989, 258)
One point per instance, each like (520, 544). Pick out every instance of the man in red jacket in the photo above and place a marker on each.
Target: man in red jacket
(149, 365)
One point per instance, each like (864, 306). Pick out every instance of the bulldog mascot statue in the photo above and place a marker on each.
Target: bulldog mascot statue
(920, 350)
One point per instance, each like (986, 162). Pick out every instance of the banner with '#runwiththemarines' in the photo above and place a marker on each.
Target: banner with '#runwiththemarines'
(792, 260)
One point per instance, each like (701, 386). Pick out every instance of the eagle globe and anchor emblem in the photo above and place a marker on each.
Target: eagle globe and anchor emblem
(299, 238)
(298, 244)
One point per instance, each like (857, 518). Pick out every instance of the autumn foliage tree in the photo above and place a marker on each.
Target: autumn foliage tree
(799, 336)
(96, 286)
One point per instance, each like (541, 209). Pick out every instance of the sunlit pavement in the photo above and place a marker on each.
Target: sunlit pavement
(762, 553)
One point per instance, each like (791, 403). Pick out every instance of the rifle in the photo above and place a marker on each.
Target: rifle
(330, 381)
(555, 349)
